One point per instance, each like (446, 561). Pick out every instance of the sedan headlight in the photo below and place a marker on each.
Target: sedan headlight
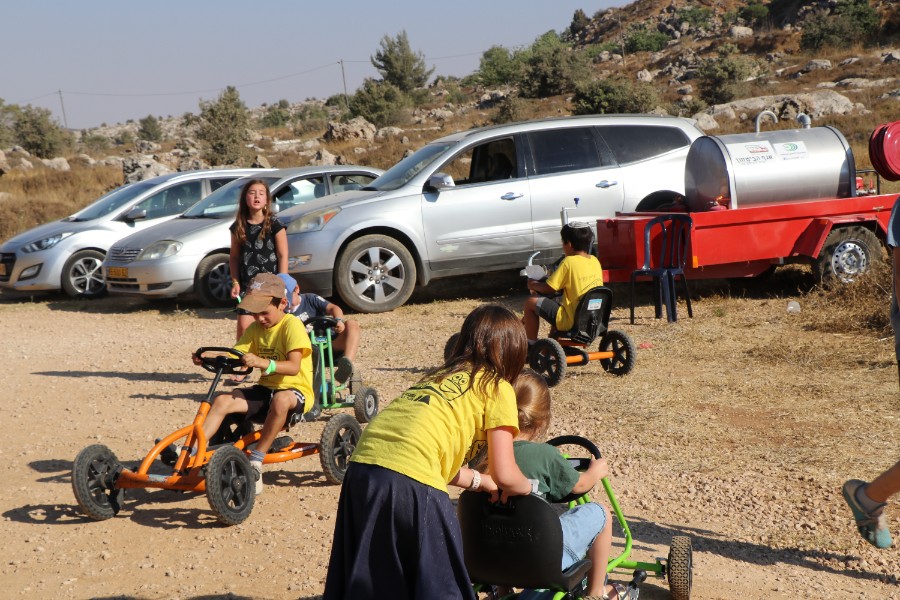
(161, 249)
(313, 221)
(45, 243)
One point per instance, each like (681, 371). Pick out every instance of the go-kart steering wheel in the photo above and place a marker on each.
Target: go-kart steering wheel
(320, 324)
(230, 365)
(580, 463)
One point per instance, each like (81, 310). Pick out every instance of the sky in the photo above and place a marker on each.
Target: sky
(105, 61)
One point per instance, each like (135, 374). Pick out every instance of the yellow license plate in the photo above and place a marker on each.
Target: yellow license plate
(3, 269)
(117, 272)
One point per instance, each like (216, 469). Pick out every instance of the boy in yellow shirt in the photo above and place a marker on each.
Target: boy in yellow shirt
(556, 299)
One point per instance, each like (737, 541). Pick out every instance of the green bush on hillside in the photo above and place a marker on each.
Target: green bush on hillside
(150, 129)
(499, 66)
(551, 68)
(853, 21)
(698, 16)
(509, 110)
(276, 115)
(35, 130)
(641, 39)
(399, 65)
(612, 96)
(380, 102)
(723, 79)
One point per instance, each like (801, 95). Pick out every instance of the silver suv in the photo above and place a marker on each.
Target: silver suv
(190, 253)
(67, 254)
(481, 200)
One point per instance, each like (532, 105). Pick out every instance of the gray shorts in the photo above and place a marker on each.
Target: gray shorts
(547, 309)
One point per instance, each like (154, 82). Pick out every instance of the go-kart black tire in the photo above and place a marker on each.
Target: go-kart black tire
(339, 439)
(93, 474)
(548, 359)
(230, 485)
(680, 565)
(624, 353)
(365, 404)
(450, 346)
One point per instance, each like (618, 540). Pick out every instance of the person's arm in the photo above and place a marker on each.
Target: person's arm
(540, 287)
(281, 250)
(234, 259)
(503, 468)
(465, 478)
(333, 310)
(291, 366)
(597, 470)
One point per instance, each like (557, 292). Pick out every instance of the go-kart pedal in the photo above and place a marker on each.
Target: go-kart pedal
(280, 444)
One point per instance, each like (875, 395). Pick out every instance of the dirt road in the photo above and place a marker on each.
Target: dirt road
(736, 428)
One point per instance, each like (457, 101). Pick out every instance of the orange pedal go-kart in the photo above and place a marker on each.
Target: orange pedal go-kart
(222, 470)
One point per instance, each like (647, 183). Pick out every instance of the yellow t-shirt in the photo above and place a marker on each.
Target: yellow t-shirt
(434, 428)
(274, 343)
(575, 275)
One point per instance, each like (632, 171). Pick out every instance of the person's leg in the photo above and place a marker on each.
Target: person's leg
(222, 406)
(283, 402)
(885, 485)
(348, 341)
(243, 322)
(599, 555)
(530, 318)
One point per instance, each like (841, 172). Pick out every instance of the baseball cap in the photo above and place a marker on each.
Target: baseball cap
(291, 284)
(260, 292)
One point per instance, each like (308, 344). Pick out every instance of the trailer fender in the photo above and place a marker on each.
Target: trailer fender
(812, 240)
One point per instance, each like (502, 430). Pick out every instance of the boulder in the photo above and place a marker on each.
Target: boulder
(57, 164)
(357, 129)
(737, 32)
(142, 167)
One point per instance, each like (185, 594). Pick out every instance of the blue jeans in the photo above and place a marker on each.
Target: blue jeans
(580, 525)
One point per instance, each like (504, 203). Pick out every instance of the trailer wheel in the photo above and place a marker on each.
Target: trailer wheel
(848, 253)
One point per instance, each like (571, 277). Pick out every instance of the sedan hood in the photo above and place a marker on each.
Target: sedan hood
(177, 229)
(49, 229)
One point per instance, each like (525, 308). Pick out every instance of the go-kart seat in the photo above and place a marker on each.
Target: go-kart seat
(591, 316)
(518, 544)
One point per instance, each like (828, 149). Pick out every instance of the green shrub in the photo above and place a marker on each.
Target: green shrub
(224, 128)
(723, 79)
(754, 12)
(499, 66)
(149, 129)
(853, 21)
(35, 130)
(698, 16)
(276, 115)
(580, 22)
(124, 139)
(94, 142)
(552, 68)
(641, 39)
(379, 102)
(7, 119)
(614, 95)
(509, 110)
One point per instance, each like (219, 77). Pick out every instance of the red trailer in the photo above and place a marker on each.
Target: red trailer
(837, 236)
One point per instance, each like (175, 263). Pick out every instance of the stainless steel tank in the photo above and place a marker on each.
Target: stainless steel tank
(746, 169)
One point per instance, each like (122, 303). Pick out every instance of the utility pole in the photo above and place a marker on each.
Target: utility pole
(344, 77)
(61, 103)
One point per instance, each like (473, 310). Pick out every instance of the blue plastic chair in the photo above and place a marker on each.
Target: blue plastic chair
(674, 232)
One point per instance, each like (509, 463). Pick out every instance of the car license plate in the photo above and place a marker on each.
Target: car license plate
(3, 269)
(117, 272)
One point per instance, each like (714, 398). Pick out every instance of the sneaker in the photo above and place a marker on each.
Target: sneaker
(257, 466)
(169, 455)
(344, 369)
(872, 525)
(280, 444)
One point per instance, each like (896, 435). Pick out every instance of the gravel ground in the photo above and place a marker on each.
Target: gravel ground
(736, 428)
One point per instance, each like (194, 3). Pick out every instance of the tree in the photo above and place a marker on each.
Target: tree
(149, 129)
(35, 130)
(579, 23)
(277, 115)
(499, 66)
(551, 68)
(7, 120)
(615, 95)
(853, 21)
(224, 128)
(399, 65)
(723, 79)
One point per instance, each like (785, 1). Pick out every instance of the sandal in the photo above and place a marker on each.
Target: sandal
(620, 591)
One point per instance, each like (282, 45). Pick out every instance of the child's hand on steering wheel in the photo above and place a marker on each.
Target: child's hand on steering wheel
(251, 360)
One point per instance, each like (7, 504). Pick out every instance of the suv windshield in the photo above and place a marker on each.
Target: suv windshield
(112, 201)
(400, 174)
(223, 203)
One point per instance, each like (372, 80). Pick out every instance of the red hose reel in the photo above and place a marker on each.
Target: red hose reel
(884, 150)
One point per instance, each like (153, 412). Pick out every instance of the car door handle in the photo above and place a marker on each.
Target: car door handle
(606, 183)
(510, 196)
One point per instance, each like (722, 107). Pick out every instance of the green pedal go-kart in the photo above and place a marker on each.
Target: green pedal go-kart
(519, 545)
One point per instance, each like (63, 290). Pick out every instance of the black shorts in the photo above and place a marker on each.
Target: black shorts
(547, 309)
(259, 398)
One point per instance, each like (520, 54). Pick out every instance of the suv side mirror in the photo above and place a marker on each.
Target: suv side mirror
(136, 214)
(440, 181)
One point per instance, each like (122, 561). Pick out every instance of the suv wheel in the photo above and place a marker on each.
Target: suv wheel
(375, 273)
